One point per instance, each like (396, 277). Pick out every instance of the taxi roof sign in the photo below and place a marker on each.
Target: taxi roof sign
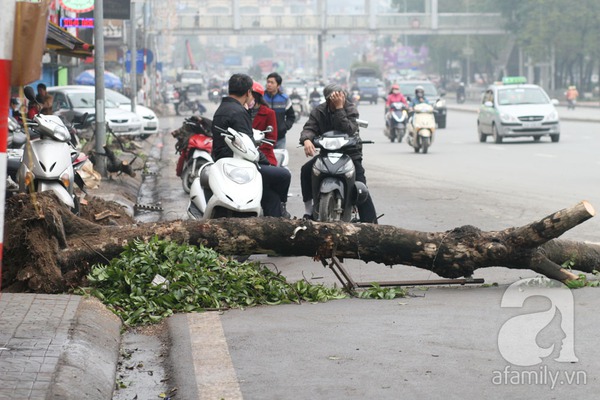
(514, 80)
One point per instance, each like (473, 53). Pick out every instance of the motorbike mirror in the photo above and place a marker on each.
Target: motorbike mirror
(269, 129)
(362, 123)
(29, 93)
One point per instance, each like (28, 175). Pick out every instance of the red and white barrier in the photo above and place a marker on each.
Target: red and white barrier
(7, 27)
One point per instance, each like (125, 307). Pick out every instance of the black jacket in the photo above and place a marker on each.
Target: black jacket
(322, 120)
(230, 114)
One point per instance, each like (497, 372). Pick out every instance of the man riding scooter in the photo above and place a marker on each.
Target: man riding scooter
(336, 114)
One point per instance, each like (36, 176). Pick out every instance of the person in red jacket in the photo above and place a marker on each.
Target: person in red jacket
(395, 96)
(262, 117)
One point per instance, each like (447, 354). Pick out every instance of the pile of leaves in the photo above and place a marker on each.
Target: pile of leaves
(151, 281)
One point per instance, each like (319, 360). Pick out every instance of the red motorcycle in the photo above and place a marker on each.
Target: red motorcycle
(194, 144)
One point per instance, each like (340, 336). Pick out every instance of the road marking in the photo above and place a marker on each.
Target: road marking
(215, 375)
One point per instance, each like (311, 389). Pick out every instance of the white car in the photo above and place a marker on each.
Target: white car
(150, 123)
(516, 109)
(72, 101)
(149, 120)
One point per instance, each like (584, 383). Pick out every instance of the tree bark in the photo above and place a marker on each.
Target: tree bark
(73, 244)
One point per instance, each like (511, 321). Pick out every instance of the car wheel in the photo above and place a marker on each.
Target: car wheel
(144, 136)
(536, 138)
(555, 138)
(482, 136)
(496, 135)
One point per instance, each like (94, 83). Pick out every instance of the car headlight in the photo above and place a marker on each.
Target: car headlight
(553, 116)
(508, 118)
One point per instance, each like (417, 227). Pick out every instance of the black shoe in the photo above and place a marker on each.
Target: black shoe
(308, 217)
(284, 212)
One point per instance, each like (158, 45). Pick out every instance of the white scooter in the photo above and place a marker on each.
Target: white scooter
(231, 186)
(48, 161)
(421, 127)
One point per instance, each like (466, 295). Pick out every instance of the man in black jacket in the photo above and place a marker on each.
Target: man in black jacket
(339, 114)
(232, 114)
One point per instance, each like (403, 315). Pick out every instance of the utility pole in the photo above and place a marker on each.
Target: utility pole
(100, 164)
(133, 52)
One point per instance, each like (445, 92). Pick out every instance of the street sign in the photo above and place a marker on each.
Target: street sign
(139, 59)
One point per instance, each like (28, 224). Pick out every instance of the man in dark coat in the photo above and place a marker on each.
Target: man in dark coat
(232, 114)
(336, 114)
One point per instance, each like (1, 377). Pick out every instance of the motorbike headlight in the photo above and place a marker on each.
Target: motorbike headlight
(348, 169)
(318, 166)
(504, 117)
(239, 175)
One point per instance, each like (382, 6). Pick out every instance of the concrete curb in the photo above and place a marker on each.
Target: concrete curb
(86, 368)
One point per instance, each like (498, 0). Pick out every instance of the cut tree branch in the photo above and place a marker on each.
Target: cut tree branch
(451, 254)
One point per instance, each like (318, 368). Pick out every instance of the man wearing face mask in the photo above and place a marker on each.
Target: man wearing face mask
(232, 113)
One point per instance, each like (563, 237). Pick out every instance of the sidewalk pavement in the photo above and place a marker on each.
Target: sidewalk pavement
(63, 346)
(587, 113)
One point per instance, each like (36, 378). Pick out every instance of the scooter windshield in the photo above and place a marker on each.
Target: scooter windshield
(333, 143)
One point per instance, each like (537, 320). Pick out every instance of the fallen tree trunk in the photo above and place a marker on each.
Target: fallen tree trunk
(68, 245)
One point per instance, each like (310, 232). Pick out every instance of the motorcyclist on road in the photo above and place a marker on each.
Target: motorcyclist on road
(339, 114)
(395, 96)
(315, 95)
(419, 97)
(571, 95)
(232, 114)
(460, 92)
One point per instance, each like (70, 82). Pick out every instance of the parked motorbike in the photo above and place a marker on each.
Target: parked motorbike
(47, 162)
(336, 193)
(231, 186)
(395, 121)
(194, 144)
(421, 127)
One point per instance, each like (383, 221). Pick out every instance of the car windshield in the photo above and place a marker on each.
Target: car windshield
(513, 96)
(366, 82)
(408, 88)
(116, 97)
(88, 100)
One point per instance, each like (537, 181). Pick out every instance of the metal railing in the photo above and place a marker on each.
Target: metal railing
(417, 23)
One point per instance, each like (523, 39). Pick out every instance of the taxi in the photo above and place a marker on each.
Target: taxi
(512, 108)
